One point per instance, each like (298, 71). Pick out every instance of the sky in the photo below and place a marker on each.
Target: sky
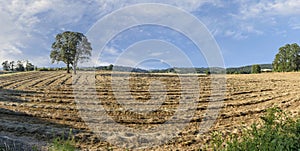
(247, 31)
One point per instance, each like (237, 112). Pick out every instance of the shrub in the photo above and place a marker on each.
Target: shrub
(207, 72)
(61, 144)
(277, 132)
(256, 69)
(43, 69)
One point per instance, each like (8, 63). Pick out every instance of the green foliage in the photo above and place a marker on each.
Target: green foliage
(43, 69)
(61, 144)
(183, 70)
(12, 65)
(110, 67)
(9, 66)
(51, 69)
(287, 59)
(255, 69)
(5, 66)
(29, 66)
(34, 148)
(171, 70)
(20, 66)
(207, 72)
(70, 48)
(278, 132)
(246, 69)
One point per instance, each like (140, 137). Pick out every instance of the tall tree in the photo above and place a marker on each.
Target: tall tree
(287, 59)
(29, 66)
(110, 67)
(256, 69)
(5, 66)
(12, 65)
(20, 66)
(70, 48)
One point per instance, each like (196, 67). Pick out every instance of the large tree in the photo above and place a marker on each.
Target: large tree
(70, 48)
(20, 66)
(256, 69)
(29, 66)
(287, 59)
(6, 66)
(12, 64)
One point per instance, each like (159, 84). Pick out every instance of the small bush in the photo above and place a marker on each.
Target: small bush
(61, 144)
(43, 69)
(277, 132)
(51, 69)
(207, 72)
(256, 69)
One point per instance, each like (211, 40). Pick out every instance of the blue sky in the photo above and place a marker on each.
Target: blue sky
(247, 31)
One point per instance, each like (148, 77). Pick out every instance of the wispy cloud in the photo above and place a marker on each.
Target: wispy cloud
(28, 27)
(246, 17)
(33, 25)
(294, 23)
(111, 51)
(270, 8)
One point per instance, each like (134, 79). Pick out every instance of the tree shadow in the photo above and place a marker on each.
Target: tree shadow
(24, 130)
(9, 95)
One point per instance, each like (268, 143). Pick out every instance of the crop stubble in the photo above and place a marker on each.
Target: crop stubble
(40, 105)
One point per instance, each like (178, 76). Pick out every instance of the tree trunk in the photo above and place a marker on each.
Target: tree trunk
(74, 69)
(68, 67)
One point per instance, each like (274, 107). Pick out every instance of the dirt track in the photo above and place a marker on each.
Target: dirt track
(36, 106)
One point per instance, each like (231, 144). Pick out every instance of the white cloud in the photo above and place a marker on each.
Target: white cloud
(258, 18)
(294, 23)
(9, 53)
(28, 26)
(270, 8)
(111, 51)
(191, 5)
(156, 54)
(235, 34)
(188, 5)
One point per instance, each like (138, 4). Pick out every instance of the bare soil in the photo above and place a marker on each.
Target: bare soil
(36, 107)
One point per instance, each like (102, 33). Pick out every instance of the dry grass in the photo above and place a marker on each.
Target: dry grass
(40, 104)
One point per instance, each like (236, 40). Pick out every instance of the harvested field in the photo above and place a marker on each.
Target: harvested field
(35, 107)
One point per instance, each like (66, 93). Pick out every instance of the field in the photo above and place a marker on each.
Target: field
(36, 107)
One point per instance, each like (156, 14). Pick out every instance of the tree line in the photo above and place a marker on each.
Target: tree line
(17, 66)
(73, 47)
(287, 59)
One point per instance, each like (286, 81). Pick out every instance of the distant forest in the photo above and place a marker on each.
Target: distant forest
(181, 70)
(247, 69)
(201, 70)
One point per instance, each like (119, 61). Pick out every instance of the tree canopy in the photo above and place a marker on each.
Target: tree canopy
(20, 66)
(287, 59)
(70, 48)
(6, 66)
(256, 69)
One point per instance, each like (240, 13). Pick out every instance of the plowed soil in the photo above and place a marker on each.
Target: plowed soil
(36, 107)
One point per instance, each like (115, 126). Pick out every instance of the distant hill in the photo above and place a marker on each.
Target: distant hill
(213, 70)
(246, 69)
(183, 70)
(202, 70)
(122, 69)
